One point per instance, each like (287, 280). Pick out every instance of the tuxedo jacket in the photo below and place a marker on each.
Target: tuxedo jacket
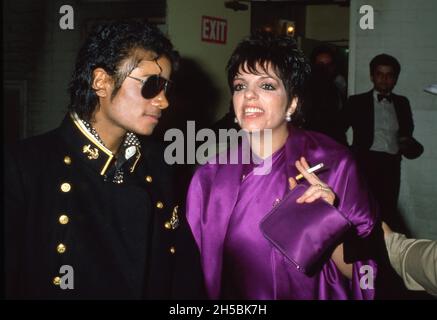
(359, 114)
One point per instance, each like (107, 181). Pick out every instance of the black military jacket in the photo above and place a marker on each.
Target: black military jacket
(118, 241)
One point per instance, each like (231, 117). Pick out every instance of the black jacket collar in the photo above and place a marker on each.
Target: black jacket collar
(87, 148)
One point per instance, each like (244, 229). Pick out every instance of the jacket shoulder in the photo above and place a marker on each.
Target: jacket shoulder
(402, 99)
(207, 172)
(34, 151)
(327, 150)
(33, 146)
(360, 96)
(321, 142)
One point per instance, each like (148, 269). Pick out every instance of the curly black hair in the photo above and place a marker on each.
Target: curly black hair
(385, 60)
(290, 64)
(107, 46)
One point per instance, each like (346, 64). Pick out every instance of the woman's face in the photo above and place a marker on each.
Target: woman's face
(260, 101)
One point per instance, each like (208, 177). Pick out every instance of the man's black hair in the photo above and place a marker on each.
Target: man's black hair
(107, 47)
(385, 60)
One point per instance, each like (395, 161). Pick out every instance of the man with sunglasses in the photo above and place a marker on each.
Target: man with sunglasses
(89, 210)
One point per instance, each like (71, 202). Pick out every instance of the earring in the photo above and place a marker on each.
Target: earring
(288, 117)
(235, 120)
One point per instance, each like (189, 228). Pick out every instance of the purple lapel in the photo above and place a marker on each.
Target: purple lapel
(222, 199)
(294, 149)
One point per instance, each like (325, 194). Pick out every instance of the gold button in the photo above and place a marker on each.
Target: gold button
(63, 219)
(56, 281)
(167, 225)
(65, 187)
(67, 160)
(159, 205)
(61, 248)
(149, 179)
(172, 250)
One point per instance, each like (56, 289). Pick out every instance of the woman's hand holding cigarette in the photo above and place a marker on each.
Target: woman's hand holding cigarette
(318, 189)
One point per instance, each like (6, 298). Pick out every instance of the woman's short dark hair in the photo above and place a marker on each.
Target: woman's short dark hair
(385, 60)
(263, 49)
(107, 46)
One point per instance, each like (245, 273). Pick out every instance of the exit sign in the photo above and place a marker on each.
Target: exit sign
(214, 29)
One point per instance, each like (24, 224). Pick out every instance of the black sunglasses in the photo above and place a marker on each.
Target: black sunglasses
(153, 85)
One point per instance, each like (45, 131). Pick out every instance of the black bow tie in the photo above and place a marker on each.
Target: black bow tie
(386, 97)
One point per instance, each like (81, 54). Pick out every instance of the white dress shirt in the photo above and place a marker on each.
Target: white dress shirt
(385, 137)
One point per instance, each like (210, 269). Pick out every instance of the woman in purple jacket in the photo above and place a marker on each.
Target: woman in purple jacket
(227, 202)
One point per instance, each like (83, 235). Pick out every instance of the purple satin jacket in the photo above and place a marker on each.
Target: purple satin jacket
(226, 203)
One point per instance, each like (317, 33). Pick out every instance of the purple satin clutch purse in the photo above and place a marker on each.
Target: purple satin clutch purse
(304, 232)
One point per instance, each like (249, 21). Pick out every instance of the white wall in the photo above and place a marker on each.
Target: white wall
(184, 29)
(407, 30)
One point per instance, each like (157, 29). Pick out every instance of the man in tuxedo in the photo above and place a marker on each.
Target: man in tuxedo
(381, 121)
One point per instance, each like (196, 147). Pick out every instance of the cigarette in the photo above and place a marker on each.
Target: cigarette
(310, 170)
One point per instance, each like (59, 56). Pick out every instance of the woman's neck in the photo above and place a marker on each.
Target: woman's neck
(265, 143)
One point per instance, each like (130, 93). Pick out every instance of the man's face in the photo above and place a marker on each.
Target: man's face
(383, 79)
(129, 111)
(324, 60)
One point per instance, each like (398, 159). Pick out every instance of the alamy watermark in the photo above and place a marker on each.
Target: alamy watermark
(66, 22)
(367, 280)
(367, 18)
(67, 278)
(230, 147)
